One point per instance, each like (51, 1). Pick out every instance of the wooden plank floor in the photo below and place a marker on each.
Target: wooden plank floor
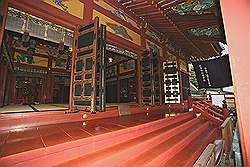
(24, 139)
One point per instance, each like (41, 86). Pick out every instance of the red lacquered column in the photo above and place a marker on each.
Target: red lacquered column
(236, 16)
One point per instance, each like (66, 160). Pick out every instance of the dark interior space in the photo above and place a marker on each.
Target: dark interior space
(120, 78)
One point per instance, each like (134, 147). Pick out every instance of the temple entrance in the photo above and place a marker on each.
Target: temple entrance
(37, 59)
(37, 55)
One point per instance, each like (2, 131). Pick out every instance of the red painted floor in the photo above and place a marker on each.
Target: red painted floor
(140, 140)
(24, 139)
(175, 145)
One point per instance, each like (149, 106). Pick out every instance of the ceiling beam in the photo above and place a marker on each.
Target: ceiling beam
(157, 13)
(141, 7)
(162, 2)
(204, 38)
(178, 18)
(189, 25)
(171, 4)
(149, 11)
(136, 4)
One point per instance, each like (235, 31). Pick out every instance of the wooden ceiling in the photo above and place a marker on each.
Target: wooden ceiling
(178, 21)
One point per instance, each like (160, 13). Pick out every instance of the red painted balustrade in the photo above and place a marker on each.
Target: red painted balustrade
(210, 111)
(173, 141)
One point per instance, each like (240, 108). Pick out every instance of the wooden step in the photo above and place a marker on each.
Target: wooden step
(176, 148)
(191, 153)
(114, 156)
(160, 152)
(56, 154)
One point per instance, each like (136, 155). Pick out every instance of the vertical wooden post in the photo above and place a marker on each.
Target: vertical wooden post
(138, 68)
(118, 84)
(164, 52)
(3, 74)
(72, 70)
(189, 100)
(207, 158)
(138, 79)
(236, 22)
(3, 15)
(88, 11)
(227, 135)
(179, 74)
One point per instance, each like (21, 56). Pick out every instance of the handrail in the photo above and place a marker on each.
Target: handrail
(212, 106)
(210, 111)
(215, 113)
(227, 134)
(207, 115)
(207, 158)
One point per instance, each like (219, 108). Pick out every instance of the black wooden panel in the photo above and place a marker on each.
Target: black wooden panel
(82, 103)
(88, 76)
(88, 64)
(78, 77)
(78, 90)
(86, 27)
(87, 89)
(79, 65)
(185, 85)
(86, 52)
(146, 77)
(86, 39)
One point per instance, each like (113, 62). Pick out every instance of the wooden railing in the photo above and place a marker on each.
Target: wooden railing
(207, 158)
(210, 111)
(227, 135)
(207, 115)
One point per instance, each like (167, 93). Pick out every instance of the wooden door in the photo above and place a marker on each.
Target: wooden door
(89, 68)
(150, 77)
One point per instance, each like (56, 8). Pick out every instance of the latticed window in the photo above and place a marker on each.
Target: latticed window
(68, 38)
(36, 29)
(54, 35)
(19, 21)
(14, 23)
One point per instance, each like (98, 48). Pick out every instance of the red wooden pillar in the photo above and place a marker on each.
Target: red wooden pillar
(164, 52)
(3, 74)
(138, 67)
(138, 79)
(3, 14)
(189, 100)
(236, 16)
(3, 69)
(179, 75)
(88, 10)
(161, 60)
(72, 70)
